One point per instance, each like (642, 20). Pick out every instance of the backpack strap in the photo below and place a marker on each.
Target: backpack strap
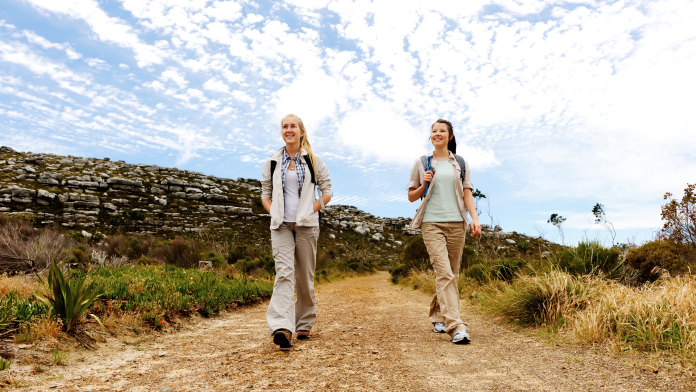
(310, 167)
(462, 166)
(273, 166)
(425, 160)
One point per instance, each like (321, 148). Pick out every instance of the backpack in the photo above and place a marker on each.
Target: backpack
(311, 172)
(425, 160)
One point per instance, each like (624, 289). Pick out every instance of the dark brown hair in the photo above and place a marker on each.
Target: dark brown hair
(452, 144)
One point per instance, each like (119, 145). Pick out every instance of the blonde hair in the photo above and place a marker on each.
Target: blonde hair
(304, 141)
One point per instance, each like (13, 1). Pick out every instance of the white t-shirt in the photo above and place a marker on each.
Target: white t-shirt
(291, 196)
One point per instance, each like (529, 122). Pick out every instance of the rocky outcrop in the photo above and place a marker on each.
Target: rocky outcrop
(76, 192)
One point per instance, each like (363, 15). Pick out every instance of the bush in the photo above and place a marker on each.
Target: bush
(267, 262)
(415, 255)
(591, 257)
(217, 260)
(506, 270)
(662, 254)
(680, 219)
(80, 255)
(523, 246)
(469, 257)
(397, 271)
(479, 272)
(144, 260)
(246, 266)
(241, 252)
(179, 252)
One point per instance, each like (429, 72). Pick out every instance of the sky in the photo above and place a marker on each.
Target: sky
(556, 105)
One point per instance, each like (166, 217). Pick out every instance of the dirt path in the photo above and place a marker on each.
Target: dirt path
(370, 336)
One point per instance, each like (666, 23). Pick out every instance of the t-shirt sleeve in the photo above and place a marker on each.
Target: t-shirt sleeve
(467, 177)
(415, 180)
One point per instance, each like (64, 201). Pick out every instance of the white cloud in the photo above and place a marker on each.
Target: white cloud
(123, 66)
(216, 85)
(46, 44)
(252, 19)
(108, 29)
(98, 64)
(378, 131)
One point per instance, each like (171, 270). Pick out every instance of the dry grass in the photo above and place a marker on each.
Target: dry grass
(24, 286)
(40, 329)
(18, 238)
(657, 317)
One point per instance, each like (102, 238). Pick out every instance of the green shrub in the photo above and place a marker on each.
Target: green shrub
(80, 255)
(397, 271)
(479, 272)
(241, 252)
(662, 254)
(415, 255)
(267, 262)
(144, 260)
(469, 257)
(70, 299)
(5, 364)
(246, 266)
(523, 246)
(179, 252)
(506, 270)
(590, 257)
(217, 260)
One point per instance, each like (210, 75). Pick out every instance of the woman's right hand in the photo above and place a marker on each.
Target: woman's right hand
(428, 176)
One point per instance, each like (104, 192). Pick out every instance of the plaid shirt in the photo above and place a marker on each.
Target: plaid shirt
(298, 167)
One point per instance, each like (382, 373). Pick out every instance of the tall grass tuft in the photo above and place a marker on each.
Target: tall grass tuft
(542, 299)
(658, 316)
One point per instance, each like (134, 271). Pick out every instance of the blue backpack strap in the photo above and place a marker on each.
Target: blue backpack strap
(462, 166)
(425, 160)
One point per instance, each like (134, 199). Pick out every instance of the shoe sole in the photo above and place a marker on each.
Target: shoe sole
(303, 337)
(463, 341)
(281, 340)
(436, 331)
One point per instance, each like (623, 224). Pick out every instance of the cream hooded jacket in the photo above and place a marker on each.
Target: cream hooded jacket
(272, 188)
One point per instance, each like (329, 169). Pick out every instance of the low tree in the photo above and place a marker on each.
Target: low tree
(557, 221)
(601, 219)
(680, 220)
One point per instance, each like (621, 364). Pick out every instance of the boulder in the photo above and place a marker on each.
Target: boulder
(377, 237)
(362, 230)
(510, 241)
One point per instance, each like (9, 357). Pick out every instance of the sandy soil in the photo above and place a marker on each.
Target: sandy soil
(370, 336)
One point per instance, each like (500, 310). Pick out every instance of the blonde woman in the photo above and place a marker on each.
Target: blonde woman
(288, 194)
(442, 180)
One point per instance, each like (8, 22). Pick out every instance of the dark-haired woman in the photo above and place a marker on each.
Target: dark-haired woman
(443, 180)
(288, 194)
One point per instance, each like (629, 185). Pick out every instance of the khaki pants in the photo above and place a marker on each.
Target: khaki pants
(445, 242)
(294, 251)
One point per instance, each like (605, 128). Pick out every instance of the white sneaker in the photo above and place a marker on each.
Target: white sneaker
(461, 338)
(439, 328)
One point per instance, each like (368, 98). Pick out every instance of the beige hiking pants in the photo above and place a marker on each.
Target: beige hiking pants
(294, 252)
(445, 242)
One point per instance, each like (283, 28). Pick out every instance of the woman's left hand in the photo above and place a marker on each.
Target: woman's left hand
(317, 206)
(475, 228)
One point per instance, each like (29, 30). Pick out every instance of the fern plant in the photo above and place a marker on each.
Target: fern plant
(69, 299)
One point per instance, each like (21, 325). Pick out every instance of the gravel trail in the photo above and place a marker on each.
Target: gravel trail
(370, 336)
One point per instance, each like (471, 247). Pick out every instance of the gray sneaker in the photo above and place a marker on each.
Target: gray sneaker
(439, 328)
(461, 338)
